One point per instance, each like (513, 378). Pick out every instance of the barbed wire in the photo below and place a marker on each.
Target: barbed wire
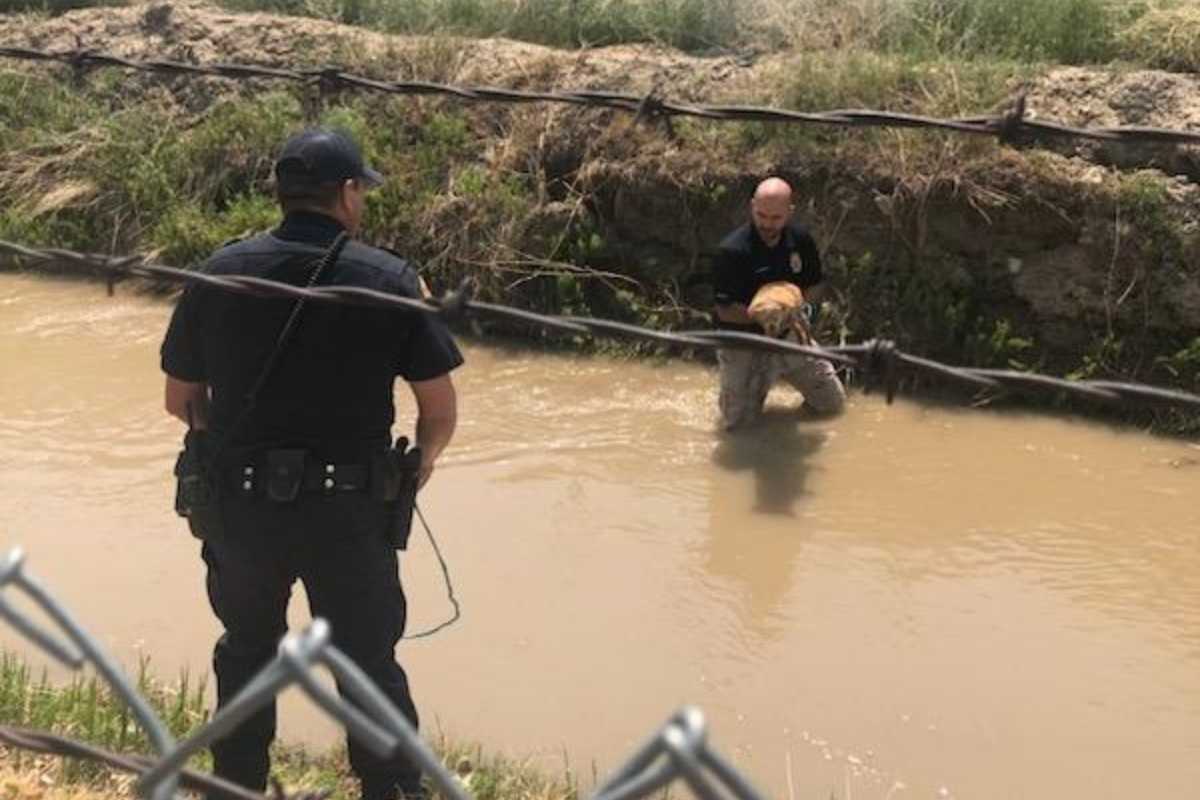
(1012, 126)
(882, 363)
(678, 751)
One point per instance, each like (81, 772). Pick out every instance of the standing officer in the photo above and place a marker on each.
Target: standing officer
(298, 466)
(771, 247)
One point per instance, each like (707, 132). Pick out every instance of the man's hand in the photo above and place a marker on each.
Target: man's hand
(424, 473)
(735, 313)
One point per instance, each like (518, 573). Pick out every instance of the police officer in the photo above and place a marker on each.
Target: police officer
(770, 247)
(299, 423)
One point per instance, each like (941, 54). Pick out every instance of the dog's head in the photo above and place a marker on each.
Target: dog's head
(777, 308)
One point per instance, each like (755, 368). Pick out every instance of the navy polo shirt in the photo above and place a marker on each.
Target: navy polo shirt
(744, 264)
(331, 388)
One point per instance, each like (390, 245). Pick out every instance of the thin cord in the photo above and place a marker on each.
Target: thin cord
(445, 576)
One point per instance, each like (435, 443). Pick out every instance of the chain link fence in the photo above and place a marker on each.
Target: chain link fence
(678, 751)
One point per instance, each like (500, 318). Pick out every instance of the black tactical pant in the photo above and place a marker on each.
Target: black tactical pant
(337, 546)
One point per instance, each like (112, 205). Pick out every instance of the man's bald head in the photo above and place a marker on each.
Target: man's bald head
(771, 209)
(773, 190)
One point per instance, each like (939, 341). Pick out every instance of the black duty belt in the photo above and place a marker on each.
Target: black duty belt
(290, 476)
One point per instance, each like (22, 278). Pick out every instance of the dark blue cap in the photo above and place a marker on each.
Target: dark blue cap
(321, 156)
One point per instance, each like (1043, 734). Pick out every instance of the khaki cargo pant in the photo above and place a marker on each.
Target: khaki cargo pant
(747, 376)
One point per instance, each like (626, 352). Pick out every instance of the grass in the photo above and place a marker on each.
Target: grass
(940, 87)
(1160, 32)
(110, 169)
(1167, 38)
(1064, 31)
(85, 709)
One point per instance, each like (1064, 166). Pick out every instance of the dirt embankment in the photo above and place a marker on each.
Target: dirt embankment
(1082, 257)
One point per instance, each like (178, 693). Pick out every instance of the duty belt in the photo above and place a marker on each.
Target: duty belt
(282, 479)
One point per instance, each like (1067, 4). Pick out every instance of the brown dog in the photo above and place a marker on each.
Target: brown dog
(777, 308)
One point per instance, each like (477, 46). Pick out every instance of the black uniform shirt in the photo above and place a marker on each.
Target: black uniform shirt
(331, 388)
(745, 264)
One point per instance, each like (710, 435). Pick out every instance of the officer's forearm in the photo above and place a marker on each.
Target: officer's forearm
(437, 414)
(434, 434)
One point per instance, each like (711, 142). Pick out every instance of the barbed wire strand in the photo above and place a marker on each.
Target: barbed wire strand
(1015, 125)
(880, 360)
(371, 718)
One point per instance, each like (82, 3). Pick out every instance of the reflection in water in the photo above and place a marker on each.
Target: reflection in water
(777, 451)
(753, 541)
(1004, 605)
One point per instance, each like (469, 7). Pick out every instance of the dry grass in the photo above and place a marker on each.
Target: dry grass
(807, 25)
(40, 782)
(1166, 39)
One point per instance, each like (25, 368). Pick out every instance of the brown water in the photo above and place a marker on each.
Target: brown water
(964, 603)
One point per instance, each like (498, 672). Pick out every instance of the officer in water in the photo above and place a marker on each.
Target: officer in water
(771, 247)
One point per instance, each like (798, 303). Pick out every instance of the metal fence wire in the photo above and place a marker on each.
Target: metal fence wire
(1013, 126)
(678, 751)
(880, 361)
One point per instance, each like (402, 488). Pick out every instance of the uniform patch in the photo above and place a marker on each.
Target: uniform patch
(797, 263)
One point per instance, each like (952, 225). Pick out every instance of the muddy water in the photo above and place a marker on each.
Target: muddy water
(957, 603)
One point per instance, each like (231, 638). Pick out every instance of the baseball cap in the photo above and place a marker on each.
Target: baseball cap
(318, 156)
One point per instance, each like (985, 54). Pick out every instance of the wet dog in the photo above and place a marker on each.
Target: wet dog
(778, 308)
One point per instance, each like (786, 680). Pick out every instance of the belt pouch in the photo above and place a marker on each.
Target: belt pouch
(191, 488)
(196, 498)
(285, 474)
